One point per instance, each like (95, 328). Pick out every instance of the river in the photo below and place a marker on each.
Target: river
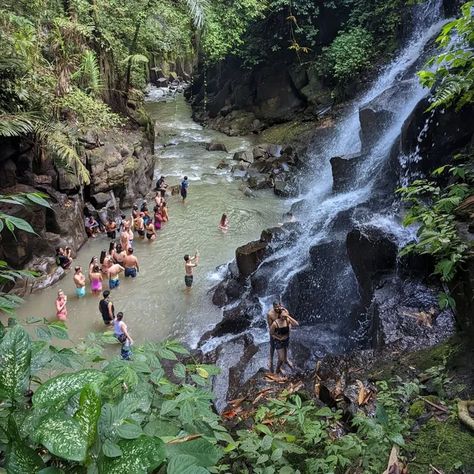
(155, 304)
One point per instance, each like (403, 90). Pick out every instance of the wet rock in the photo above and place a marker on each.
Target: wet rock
(239, 172)
(372, 253)
(325, 289)
(405, 314)
(101, 199)
(344, 170)
(214, 146)
(435, 136)
(249, 256)
(377, 114)
(284, 188)
(257, 180)
(244, 156)
(223, 165)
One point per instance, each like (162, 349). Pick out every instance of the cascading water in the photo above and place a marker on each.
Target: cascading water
(320, 207)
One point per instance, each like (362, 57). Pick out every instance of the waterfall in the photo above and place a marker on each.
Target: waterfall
(320, 206)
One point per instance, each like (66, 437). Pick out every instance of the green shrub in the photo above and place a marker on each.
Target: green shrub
(349, 55)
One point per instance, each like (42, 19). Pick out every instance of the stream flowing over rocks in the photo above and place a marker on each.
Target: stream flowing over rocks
(337, 268)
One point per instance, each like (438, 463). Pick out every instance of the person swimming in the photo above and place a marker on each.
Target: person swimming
(224, 223)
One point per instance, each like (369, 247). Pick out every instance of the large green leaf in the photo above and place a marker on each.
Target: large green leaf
(205, 453)
(21, 459)
(184, 464)
(63, 437)
(62, 387)
(139, 456)
(89, 412)
(15, 357)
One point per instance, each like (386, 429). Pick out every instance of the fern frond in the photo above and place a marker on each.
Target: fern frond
(58, 141)
(197, 9)
(15, 125)
(136, 59)
(88, 73)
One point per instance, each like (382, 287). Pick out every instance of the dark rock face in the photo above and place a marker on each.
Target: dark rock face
(406, 315)
(372, 253)
(343, 171)
(378, 113)
(326, 290)
(462, 290)
(434, 136)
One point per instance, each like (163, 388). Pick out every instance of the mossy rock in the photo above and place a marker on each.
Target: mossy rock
(417, 408)
(445, 445)
(287, 133)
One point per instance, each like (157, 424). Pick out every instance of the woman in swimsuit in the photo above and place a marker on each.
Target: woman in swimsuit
(105, 262)
(94, 261)
(119, 254)
(61, 309)
(96, 278)
(139, 226)
(164, 212)
(224, 223)
(150, 232)
(158, 218)
(280, 332)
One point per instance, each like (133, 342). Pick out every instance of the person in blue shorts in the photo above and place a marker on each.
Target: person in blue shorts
(80, 282)
(130, 262)
(184, 188)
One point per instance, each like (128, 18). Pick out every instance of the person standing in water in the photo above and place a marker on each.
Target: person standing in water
(130, 262)
(80, 282)
(121, 333)
(189, 264)
(114, 275)
(184, 188)
(224, 223)
(280, 332)
(164, 212)
(61, 309)
(106, 308)
(96, 279)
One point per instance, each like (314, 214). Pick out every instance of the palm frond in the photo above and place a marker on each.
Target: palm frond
(15, 125)
(197, 9)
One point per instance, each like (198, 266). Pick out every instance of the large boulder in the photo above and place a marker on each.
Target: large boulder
(249, 257)
(214, 146)
(435, 136)
(376, 115)
(372, 253)
(344, 169)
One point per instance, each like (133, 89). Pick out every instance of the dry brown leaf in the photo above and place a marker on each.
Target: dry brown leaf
(275, 378)
(294, 387)
(262, 394)
(317, 388)
(237, 402)
(393, 464)
(232, 413)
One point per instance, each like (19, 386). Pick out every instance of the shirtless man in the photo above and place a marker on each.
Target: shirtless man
(126, 238)
(113, 274)
(272, 316)
(189, 264)
(111, 229)
(130, 262)
(80, 282)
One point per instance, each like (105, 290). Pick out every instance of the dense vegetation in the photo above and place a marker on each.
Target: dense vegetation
(343, 38)
(434, 203)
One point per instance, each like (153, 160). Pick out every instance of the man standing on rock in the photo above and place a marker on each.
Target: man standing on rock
(106, 308)
(272, 315)
(130, 262)
(80, 282)
(184, 188)
(189, 264)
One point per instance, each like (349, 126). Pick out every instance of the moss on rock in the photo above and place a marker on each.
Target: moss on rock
(445, 445)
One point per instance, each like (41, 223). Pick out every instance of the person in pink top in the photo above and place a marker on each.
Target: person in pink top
(61, 309)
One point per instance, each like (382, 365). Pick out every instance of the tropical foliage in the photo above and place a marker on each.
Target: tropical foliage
(452, 73)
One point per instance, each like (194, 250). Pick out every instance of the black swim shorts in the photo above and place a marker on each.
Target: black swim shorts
(188, 280)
